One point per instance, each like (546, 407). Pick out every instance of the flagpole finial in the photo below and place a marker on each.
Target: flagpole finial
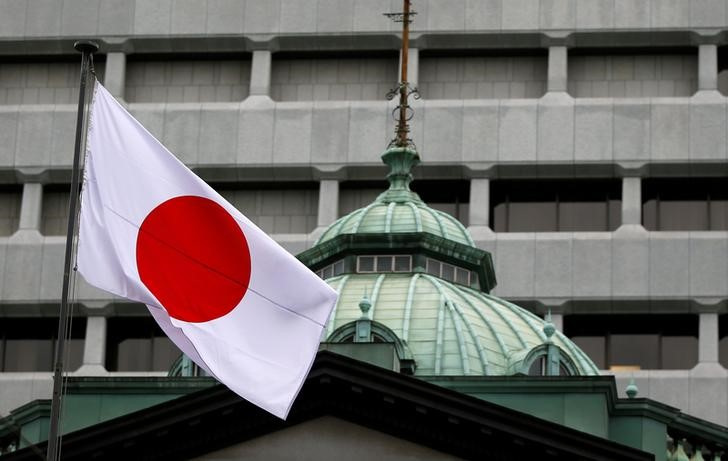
(86, 46)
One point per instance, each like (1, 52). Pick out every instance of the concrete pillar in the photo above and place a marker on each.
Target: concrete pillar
(479, 214)
(413, 67)
(260, 73)
(708, 67)
(632, 201)
(708, 337)
(115, 74)
(31, 206)
(94, 347)
(557, 68)
(328, 209)
(558, 321)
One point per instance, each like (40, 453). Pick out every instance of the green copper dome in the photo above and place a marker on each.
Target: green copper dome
(452, 329)
(398, 209)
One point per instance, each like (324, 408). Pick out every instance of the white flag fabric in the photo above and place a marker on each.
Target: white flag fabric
(226, 294)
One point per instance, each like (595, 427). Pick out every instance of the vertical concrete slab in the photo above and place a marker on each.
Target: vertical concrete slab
(443, 131)
(480, 131)
(152, 18)
(630, 265)
(189, 17)
(31, 206)
(556, 129)
(592, 264)
(708, 337)
(64, 136)
(517, 131)
(218, 140)
(514, 264)
(593, 130)
(629, 14)
(368, 126)
(115, 74)
(709, 381)
(557, 14)
(256, 122)
(519, 15)
(553, 270)
(116, 17)
(21, 280)
(330, 123)
(225, 16)
(328, 203)
(94, 346)
(708, 128)
(483, 14)
(51, 272)
(262, 17)
(182, 130)
(707, 13)
(707, 67)
(708, 265)
(292, 133)
(43, 18)
(632, 201)
(668, 253)
(260, 73)
(34, 139)
(670, 124)
(79, 17)
(12, 19)
(595, 14)
(557, 68)
(631, 133)
(8, 132)
(479, 209)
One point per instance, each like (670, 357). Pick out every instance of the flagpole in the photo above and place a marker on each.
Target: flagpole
(87, 48)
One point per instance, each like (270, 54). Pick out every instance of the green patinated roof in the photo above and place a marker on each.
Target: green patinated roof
(450, 329)
(398, 209)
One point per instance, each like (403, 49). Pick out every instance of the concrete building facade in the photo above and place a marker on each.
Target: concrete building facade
(583, 143)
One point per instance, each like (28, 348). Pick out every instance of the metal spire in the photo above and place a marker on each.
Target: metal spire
(403, 113)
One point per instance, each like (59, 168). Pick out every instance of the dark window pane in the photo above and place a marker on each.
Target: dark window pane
(134, 354)
(384, 263)
(29, 354)
(683, 215)
(448, 272)
(461, 276)
(433, 267)
(164, 353)
(723, 351)
(628, 350)
(339, 267)
(498, 218)
(615, 214)
(328, 272)
(594, 347)
(649, 215)
(679, 352)
(402, 264)
(29, 344)
(583, 216)
(532, 217)
(366, 263)
(131, 344)
(719, 215)
(538, 367)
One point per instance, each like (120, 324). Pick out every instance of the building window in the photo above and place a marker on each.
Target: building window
(685, 204)
(332, 77)
(29, 344)
(449, 272)
(10, 199)
(723, 341)
(138, 344)
(384, 263)
(332, 270)
(54, 213)
(636, 341)
(193, 79)
(555, 205)
(539, 367)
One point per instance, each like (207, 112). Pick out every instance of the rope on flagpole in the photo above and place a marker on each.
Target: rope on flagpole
(87, 48)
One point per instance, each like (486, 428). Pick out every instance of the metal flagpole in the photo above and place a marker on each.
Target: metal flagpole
(87, 48)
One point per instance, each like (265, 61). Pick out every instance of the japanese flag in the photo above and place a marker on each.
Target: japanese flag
(234, 301)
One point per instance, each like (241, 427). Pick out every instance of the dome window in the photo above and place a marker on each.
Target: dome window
(384, 263)
(332, 270)
(449, 272)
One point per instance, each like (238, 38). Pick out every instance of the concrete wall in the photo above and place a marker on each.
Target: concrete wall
(332, 79)
(479, 77)
(282, 211)
(41, 82)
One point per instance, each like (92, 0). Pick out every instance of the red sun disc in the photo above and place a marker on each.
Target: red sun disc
(193, 256)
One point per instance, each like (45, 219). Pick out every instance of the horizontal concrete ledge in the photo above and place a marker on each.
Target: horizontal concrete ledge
(480, 134)
(597, 270)
(279, 17)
